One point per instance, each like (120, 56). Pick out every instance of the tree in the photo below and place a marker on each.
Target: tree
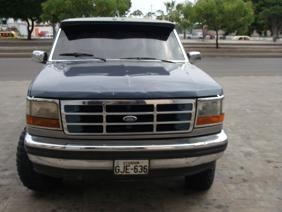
(270, 11)
(170, 11)
(160, 15)
(137, 13)
(27, 10)
(170, 7)
(53, 11)
(242, 11)
(150, 15)
(81, 8)
(111, 7)
(180, 13)
(259, 24)
(184, 16)
(122, 6)
(228, 15)
(56, 10)
(4, 11)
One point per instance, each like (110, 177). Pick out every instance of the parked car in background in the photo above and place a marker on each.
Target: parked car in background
(209, 36)
(195, 35)
(241, 37)
(8, 34)
(45, 34)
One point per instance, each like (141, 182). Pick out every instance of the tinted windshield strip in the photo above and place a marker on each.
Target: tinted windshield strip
(182, 58)
(160, 24)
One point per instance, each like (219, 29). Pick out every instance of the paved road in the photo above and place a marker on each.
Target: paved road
(234, 67)
(18, 69)
(248, 178)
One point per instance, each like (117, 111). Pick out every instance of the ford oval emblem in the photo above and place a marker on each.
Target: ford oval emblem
(129, 118)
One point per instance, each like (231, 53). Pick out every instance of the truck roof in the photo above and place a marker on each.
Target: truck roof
(116, 21)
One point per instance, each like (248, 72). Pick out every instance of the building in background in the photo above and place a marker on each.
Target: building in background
(20, 27)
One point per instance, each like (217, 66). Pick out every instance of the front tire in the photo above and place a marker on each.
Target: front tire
(201, 181)
(30, 178)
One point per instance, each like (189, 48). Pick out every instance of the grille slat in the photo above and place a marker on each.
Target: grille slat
(83, 108)
(119, 118)
(174, 107)
(129, 108)
(129, 128)
(175, 127)
(85, 129)
(84, 118)
(174, 117)
(98, 117)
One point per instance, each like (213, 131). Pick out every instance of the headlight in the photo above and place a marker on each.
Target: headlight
(43, 113)
(209, 111)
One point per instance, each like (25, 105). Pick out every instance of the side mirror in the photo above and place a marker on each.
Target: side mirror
(39, 56)
(194, 56)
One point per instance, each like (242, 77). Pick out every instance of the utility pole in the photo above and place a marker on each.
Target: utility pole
(151, 13)
(117, 8)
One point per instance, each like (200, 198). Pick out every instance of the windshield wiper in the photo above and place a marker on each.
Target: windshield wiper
(81, 54)
(146, 58)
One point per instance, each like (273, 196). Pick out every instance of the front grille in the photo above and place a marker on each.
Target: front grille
(108, 117)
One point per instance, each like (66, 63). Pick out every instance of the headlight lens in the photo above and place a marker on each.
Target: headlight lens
(43, 113)
(209, 111)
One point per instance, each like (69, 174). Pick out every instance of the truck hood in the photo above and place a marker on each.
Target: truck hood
(122, 79)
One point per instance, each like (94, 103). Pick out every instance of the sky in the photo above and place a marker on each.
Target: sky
(147, 5)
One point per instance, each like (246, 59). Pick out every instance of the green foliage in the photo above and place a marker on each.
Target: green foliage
(53, 10)
(187, 14)
(170, 10)
(270, 13)
(5, 8)
(57, 10)
(27, 10)
(137, 13)
(238, 16)
(181, 14)
(78, 8)
(111, 7)
(160, 15)
(208, 12)
(23, 9)
(259, 24)
(228, 15)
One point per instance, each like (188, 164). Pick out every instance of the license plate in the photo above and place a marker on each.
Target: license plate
(131, 167)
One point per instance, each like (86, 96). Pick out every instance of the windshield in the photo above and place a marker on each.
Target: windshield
(116, 43)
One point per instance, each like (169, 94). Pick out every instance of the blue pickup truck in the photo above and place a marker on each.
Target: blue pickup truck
(120, 98)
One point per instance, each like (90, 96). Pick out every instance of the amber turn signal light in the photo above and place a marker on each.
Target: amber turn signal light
(206, 120)
(42, 122)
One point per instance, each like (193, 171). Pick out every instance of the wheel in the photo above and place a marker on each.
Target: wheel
(201, 181)
(30, 178)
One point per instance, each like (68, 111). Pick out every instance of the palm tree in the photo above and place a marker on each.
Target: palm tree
(170, 6)
(160, 14)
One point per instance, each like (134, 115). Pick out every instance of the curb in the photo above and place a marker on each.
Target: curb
(24, 48)
(269, 55)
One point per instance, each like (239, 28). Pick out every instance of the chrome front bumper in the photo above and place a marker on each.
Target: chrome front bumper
(99, 155)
